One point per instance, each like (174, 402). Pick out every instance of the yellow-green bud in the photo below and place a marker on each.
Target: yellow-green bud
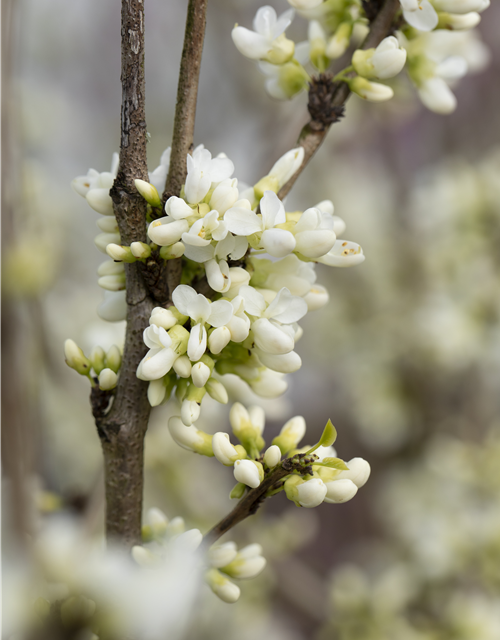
(75, 358)
(149, 193)
(282, 50)
(114, 358)
(268, 183)
(173, 251)
(180, 337)
(361, 61)
(140, 250)
(120, 253)
(98, 359)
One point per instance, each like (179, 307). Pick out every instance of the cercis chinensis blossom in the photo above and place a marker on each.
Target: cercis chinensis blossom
(248, 265)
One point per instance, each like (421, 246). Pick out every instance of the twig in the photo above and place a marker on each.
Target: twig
(312, 135)
(187, 94)
(248, 505)
(122, 430)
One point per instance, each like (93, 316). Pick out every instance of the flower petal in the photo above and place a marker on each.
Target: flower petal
(183, 295)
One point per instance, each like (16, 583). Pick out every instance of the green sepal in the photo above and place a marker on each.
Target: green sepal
(333, 463)
(328, 436)
(238, 491)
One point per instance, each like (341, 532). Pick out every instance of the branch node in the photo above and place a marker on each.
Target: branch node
(323, 112)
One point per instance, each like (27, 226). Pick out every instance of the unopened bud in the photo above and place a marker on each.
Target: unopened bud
(114, 358)
(118, 252)
(272, 456)
(217, 391)
(75, 358)
(97, 359)
(200, 374)
(247, 472)
(149, 193)
(140, 250)
(182, 367)
(107, 379)
(173, 251)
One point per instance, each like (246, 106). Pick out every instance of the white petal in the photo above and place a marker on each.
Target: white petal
(278, 242)
(177, 208)
(220, 169)
(285, 363)
(183, 295)
(167, 231)
(221, 312)
(286, 308)
(197, 185)
(314, 244)
(271, 338)
(199, 254)
(199, 308)
(424, 18)
(340, 491)
(272, 210)
(197, 343)
(265, 22)
(242, 222)
(158, 365)
(437, 96)
(254, 301)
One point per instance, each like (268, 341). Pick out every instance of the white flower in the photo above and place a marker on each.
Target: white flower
(243, 222)
(314, 235)
(182, 367)
(189, 438)
(225, 195)
(359, 472)
(291, 434)
(437, 96)
(267, 42)
(166, 231)
(338, 491)
(204, 229)
(239, 325)
(159, 359)
(311, 493)
(420, 14)
(200, 373)
(286, 80)
(217, 391)
(178, 209)
(202, 171)
(317, 298)
(284, 363)
(247, 472)
(162, 318)
(387, 60)
(190, 412)
(271, 333)
(290, 272)
(343, 254)
(201, 311)
(218, 339)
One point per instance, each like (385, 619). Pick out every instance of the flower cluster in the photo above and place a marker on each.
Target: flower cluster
(433, 63)
(222, 561)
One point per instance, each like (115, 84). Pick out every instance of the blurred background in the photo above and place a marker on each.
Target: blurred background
(405, 359)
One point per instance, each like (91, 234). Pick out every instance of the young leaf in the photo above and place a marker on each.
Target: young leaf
(238, 491)
(329, 435)
(335, 463)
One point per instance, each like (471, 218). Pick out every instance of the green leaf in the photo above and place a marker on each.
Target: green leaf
(329, 435)
(335, 463)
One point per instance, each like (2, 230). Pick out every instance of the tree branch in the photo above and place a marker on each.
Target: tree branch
(122, 430)
(314, 132)
(187, 94)
(249, 504)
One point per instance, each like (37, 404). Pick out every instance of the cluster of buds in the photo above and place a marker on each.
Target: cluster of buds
(100, 367)
(250, 329)
(222, 562)
(334, 26)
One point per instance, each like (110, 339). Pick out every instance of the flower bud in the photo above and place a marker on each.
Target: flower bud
(286, 166)
(247, 472)
(144, 557)
(112, 283)
(338, 491)
(224, 451)
(257, 417)
(311, 493)
(219, 555)
(268, 183)
(178, 209)
(225, 195)
(272, 456)
(118, 252)
(338, 43)
(97, 359)
(226, 590)
(110, 268)
(284, 363)
(173, 251)
(156, 392)
(182, 367)
(248, 563)
(114, 358)
(454, 22)
(190, 438)
(107, 379)
(108, 224)
(373, 91)
(190, 412)
(163, 318)
(156, 522)
(100, 201)
(291, 434)
(140, 250)
(268, 384)
(217, 391)
(359, 472)
(102, 240)
(75, 358)
(218, 339)
(175, 527)
(317, 298)
(113, 308)
(166, 231)
(200, 374)
(149, 193)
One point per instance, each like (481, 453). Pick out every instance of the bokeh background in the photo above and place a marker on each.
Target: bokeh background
(405, 359)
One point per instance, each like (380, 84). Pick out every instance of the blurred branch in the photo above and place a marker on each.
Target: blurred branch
(122, 430)
(315, 131)
(187, 94)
